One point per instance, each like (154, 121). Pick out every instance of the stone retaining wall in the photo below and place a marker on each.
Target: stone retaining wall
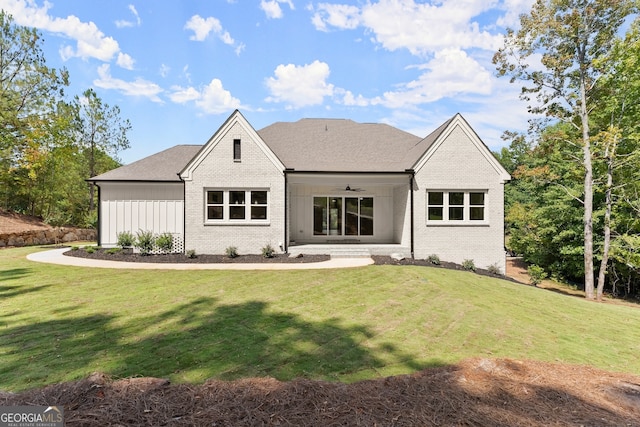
(50, 236)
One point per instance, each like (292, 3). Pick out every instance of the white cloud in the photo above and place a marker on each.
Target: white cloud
(341, 16)
(125, 61)
(122, 23)
(272, 8)
(181, 95)
(212, 99)
(299, 86)
(90, 42)
(513, 9)
(350, 100)
(164, 70)
(138, 87)
(451, 72)
(421, 28)
(202, 27)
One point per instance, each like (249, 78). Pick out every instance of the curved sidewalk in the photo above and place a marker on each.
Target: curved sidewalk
(56, 256)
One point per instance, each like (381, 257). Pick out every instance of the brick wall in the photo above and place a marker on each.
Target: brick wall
(459, 164)
(218, 170)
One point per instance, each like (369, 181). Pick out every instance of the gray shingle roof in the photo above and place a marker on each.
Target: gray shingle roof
(162, 166)
(322, 145)
(339, 145)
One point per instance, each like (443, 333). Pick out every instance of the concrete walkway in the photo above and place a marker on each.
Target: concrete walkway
(55, 256)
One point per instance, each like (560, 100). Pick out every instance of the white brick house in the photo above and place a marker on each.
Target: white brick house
(314, 186)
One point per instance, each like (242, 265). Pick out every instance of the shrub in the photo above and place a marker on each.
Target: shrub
(125, 239)
(268, 251)
(75, 248)
(536, 274)
(494, 269)
(191, 253)
(468, 265)
(113, 251)
(434, 259)
(145, 241)
(232, 252)
(90, 249)
(164, 242)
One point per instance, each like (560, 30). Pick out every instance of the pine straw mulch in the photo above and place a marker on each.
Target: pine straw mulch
(475, 392)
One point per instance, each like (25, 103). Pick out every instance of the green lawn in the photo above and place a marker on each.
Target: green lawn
(61, 323)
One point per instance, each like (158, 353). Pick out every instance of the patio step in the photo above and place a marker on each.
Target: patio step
(350, 253)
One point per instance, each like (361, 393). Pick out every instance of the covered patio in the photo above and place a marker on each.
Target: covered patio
(350, 213)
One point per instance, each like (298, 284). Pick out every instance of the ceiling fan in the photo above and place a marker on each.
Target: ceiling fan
(349, 188)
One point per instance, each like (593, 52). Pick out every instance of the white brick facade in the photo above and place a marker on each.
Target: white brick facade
(461, 162)
(216, 169)
(451, 159)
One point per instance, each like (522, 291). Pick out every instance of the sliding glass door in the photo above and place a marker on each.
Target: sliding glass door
(342, 216)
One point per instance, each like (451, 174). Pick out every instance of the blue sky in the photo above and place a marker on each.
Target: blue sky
(177, 69)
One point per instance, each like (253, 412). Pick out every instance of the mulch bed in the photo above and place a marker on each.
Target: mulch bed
(475, 392)
(127, 255)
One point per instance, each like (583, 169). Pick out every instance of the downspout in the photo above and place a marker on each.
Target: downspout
(411, 181)
(184, 215)
(99, 228)
(285, 244)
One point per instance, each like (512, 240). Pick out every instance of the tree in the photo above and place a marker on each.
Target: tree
(102, 131)
(572, 37)
(29, 91)
(619, 138)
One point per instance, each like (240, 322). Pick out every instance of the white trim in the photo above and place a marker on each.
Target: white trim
(236, 118)
(466, 221)
(459, 121)
(226, 216)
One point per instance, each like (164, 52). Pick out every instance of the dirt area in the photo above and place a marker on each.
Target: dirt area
(11, 222)
(475, 392)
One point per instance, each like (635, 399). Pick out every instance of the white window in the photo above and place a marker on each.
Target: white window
(456, 207)
(233, 206)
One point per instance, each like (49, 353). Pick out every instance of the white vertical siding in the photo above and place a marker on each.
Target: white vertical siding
(156, 207)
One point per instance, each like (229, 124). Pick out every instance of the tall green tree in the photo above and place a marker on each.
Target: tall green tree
(572, 37)
(618, 144)
(29, 91)
(101, 130)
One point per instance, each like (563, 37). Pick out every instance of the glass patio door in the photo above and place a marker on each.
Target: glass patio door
(343, 216)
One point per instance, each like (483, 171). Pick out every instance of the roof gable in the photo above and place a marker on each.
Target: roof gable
(236, 118)
(438, 137)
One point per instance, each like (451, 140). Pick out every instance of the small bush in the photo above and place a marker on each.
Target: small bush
(145, 241)
(90, 249)
(468, 265)
(268, 251)
(536, 274)
(191, 253)
(75, 248)
(164, 242)
(114, 251)
(232, 252)
(434, 259)
(125, 239)
(494, 269)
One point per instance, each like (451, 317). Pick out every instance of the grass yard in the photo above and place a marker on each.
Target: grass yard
(61, 323)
